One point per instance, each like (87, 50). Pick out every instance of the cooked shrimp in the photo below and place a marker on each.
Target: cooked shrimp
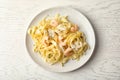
(63, 43)
(68, 52)
(73, 29)
(54, 23)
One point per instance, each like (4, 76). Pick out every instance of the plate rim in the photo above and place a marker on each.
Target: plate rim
(57, 7)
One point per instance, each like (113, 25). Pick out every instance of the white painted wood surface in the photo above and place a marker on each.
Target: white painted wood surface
(15, 63)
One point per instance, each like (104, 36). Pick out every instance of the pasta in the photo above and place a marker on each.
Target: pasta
(58, 40)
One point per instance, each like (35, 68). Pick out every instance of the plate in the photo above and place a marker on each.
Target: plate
(75, 17)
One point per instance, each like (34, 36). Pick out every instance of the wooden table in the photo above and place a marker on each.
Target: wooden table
(15, 62)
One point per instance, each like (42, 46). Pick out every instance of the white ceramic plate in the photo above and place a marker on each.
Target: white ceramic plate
(75, 17)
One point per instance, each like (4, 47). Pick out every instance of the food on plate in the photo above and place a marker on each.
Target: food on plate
(58, 40)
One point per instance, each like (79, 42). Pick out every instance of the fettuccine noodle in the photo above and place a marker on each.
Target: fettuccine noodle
(58, 40)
